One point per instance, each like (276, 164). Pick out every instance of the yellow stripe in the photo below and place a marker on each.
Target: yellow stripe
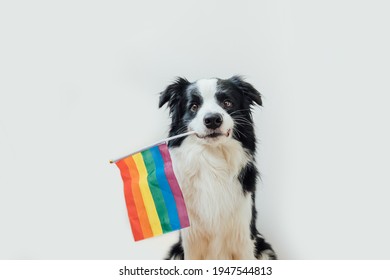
(147, 195)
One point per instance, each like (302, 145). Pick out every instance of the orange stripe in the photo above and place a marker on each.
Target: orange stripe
(131, 210)
(138, 200)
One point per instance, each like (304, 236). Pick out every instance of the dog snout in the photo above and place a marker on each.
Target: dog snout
(213, 120)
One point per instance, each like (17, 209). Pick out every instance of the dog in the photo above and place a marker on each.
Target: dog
(215, 168)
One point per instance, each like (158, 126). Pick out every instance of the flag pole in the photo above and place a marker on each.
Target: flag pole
(166, 140)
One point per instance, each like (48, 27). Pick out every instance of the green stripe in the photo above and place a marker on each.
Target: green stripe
(156, 191)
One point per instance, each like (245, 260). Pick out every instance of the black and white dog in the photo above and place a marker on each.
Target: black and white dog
(216, 168)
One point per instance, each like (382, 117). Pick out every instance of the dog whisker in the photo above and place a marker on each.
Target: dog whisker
(237, 111)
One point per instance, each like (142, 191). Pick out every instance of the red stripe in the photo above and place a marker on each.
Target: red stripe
(177, 194)
(131, 209)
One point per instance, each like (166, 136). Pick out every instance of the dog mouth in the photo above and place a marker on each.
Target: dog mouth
(214, 134)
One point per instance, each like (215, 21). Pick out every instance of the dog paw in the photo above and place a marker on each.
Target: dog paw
(267, 255)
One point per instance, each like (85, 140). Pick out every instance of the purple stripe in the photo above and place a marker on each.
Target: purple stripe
(177, 194)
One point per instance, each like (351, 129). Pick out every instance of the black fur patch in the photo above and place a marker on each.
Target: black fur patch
(176, 252)
(248, 178)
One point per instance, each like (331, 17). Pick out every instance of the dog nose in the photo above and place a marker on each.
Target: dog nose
(212, 120)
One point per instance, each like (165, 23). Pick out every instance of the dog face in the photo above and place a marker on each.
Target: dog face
(216, 109)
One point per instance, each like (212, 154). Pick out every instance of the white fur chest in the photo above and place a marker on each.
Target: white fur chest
(208, 176)
(219, 211)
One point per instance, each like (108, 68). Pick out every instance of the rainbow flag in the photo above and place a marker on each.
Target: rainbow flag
(154, 201)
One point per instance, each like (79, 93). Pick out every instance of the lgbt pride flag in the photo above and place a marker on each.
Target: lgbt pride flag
(154, 201)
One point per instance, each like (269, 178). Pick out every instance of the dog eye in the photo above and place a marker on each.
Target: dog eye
(227, 103)
(194, 107)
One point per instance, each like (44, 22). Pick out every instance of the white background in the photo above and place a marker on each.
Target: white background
(79, 84)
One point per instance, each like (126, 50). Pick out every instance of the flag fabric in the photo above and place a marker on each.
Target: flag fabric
(154, 200)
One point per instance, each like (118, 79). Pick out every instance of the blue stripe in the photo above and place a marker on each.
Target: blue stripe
(165, 188)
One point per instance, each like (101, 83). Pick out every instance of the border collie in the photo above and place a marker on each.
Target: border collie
(216, 168)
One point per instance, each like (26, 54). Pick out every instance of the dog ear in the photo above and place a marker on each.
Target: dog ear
(173, 92)
(247, 89)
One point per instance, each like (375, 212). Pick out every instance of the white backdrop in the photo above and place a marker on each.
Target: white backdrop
(79, 84)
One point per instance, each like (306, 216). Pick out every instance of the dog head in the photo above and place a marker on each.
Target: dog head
(217, 110)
